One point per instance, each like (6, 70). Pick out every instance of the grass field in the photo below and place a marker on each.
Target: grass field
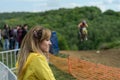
(60, 75)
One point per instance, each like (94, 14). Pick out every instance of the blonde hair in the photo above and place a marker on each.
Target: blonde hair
(30, 44)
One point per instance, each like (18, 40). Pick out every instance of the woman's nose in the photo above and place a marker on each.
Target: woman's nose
(50, 42)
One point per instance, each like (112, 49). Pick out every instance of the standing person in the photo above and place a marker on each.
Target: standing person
(15, 37)
(32, 58)
(83, 30)
(19, 35)
(5, 35)
(24, 30)
(11, 38)
(1, 45)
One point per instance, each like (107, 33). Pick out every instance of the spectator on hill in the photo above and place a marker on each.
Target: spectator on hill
(19, 35)
(15, 37)
(1, 45)
(5, 35)
(11, 38)
(24, 30)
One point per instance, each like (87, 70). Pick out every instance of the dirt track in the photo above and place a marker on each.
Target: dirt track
(106, 57)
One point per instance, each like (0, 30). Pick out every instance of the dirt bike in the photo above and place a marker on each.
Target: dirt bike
(83, 34)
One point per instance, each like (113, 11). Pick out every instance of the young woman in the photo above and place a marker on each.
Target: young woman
(32, 60)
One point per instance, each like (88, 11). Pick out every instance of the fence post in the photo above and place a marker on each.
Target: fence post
(69, 64)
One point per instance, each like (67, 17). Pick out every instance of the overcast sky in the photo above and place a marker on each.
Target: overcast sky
(43, 5)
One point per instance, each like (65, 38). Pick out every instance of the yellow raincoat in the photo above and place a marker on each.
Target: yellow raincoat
(36, 68)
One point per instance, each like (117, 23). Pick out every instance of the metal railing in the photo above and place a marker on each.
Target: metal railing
(9, 58)
(7, 64)
(6, 73)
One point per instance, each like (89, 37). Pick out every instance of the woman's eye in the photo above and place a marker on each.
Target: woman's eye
(47, 39)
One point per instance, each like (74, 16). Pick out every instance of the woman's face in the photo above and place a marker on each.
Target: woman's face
(45, 45)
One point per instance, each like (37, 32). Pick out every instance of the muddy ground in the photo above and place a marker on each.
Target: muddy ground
(106, 57)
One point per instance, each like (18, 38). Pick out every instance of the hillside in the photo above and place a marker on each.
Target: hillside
(103, 27)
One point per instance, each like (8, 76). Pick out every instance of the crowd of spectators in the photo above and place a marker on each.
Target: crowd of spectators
(11, 37)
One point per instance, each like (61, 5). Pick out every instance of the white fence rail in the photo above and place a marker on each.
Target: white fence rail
(7, 64)
(9, 58)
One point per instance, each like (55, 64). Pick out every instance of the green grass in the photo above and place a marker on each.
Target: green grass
(60, 75)
(110, 45)
(62, 55)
